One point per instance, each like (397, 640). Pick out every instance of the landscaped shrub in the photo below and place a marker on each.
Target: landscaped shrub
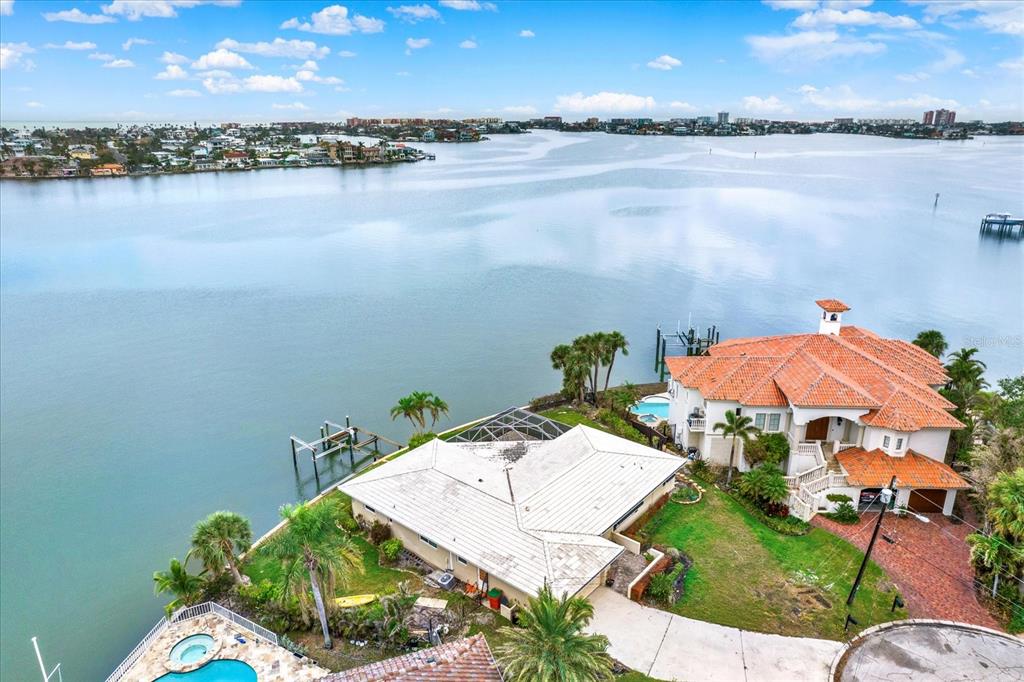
(838, 497)
(390, 549)
(767, 448)
(764, 485)
(619, 426)
(349, 524)
(775, 509)
(379, 532)
(788, 525)
(660, 587)
(684, 494)
(259, 594)
(702, 470)
(844, 513)
(419, 439)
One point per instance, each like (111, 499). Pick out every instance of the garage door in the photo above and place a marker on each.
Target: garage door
(927, 501)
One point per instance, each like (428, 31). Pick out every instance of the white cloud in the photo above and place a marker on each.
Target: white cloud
(272, 84)
(664, 63)
(308, 73)
(468, 45)
(682, 106)
(185, 92)
(527, 33)
(994, 16)
(970, 73)
(215, 73)
(6, 8)
(77, 16)
(810, 46)
(469, 5)
(69, 45)
(11, 54)
(765, 105)
(119, 64)
(844, 99)
(294, 106)
(521, 110)
(279, 47)
(173, 58)
(414, 13)
(35, 105)
(101, 56)
(417, 43)
(134, 10)
(1013, 64)
(950, 60)
(127, 45)
(334, 20)
(173, 72)
(402, 74)
(221, 59)
(616, 102)
(827, 18)
(916, 77)
(347, 54)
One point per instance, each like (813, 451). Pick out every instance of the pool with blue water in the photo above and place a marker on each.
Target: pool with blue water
(655, 405)
(215, 671)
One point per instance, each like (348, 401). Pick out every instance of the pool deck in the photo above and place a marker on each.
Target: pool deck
(271, 663)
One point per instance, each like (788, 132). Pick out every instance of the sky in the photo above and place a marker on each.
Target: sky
(253, 60)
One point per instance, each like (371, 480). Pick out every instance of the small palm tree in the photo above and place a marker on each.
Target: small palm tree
(177, 581)
(764, 485)
(932, 341)
(551, 646)
(991, 552)
(315, 554)
(613, 343)
(575, 369)
(217, 538)
(437, 409)
(738, 427)
(412, 408)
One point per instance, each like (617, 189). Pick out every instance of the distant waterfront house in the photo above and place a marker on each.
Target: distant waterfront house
(856, 409)
(517, 507)
(207, 165)
(107, 169)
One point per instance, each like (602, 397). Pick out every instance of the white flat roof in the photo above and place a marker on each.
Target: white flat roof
(528, 512)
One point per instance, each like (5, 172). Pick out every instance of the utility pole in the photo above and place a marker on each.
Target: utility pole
(885, 495)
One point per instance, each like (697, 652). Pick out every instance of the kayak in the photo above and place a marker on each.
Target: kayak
(354, 600)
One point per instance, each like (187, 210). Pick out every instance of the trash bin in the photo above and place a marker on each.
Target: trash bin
(494, 598)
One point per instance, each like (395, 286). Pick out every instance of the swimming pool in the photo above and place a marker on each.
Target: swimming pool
(655, 405)
(215, 671)
(191, 649)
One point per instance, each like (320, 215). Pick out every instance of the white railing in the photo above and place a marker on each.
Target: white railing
(812, 449)
(179, 616)
(810, 474)
(799, 508)
(844, 446)
(696, 423)
(815, 486)
(837, 481)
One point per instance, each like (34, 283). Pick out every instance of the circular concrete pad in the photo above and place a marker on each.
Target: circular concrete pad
(930, 651)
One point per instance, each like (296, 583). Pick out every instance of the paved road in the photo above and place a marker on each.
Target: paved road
(670, 647)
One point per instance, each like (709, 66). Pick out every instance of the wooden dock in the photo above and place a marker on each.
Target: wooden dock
(335, 438)
(1003, 225)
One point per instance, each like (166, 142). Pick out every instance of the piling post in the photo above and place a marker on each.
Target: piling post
(316, 472)
(295, 461)
(657, 348)
(352, 435)
(662, 359)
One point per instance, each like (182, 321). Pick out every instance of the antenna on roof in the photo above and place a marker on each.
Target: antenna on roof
(508, 477)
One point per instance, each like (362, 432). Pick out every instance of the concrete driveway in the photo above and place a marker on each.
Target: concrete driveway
(670, 647)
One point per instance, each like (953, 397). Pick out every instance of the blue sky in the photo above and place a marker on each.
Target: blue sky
(167, 60)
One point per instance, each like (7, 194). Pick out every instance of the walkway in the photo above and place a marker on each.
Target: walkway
(929, 562)
(670, 647)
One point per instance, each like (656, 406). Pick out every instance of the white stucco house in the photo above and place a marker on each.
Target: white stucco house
(518, 502)
(856, 409)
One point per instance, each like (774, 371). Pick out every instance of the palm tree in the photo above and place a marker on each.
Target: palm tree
(965, 370)
(217, 538)
(551, 646)
(739, 427)
(614, 342)
(991, 552)
(591, 346)
(177, 581)
(437, 408)
(315, 554)
(966, 378)
(932, 341)
(412, 408)
(575, 369)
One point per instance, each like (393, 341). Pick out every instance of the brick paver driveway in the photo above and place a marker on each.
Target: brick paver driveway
(929, 562)
(670, 647)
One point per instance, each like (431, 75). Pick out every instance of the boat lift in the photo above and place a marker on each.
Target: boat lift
(335, 438)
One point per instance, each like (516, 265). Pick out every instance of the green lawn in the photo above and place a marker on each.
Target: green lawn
(572, 417)
(748, 576)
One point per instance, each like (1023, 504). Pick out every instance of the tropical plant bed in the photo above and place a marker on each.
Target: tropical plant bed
(749, 576)
(601, 419)
(686, 492)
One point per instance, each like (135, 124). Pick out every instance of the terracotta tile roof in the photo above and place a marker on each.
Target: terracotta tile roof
(875, 469)
(464, 660)
(832, 305)
(857, 369)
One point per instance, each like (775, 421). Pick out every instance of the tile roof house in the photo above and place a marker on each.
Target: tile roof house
(849, 402)
(517, 514)
(464, 660)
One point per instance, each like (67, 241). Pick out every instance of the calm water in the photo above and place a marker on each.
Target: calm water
(162, 337)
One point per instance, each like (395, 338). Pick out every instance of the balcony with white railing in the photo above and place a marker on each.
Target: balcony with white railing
(696, 424)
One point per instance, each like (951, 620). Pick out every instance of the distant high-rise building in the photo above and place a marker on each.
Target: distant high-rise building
(723, 117)
(944, 118)
(929, 118)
